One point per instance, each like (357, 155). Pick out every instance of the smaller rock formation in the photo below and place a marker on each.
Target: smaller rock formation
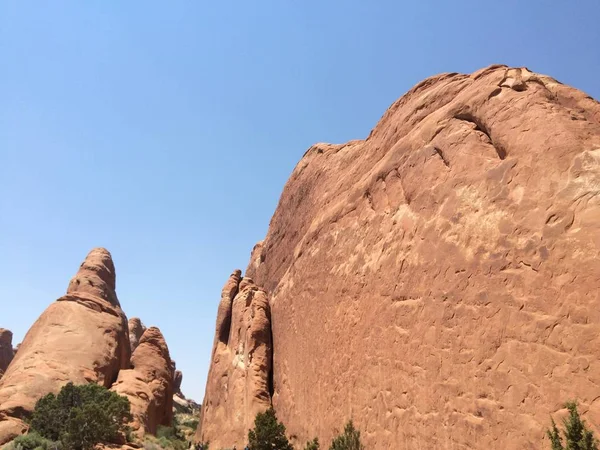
(148, 384)
(6, 350)
(182, 404)
(239, 381)
(177, 379)
(136, 329)
(82, 337)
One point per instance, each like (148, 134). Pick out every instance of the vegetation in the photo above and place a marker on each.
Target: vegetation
(33, 441)
(348, 440)
(576, 434)
(176, 437)
(80, 417)
(313, 445)
(164, 442)
(268, 433)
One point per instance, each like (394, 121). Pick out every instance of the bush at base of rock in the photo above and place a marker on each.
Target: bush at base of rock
(268, 433)
(348, 440)
(166, 441)
(82, 416)
(576, 434)
(33, 441)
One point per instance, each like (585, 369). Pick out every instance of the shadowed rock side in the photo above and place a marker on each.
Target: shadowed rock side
(177, 379)
(148, 384)
(82, 337)
(238, 385)
(136, 329)
(439, 281)
(6, 350)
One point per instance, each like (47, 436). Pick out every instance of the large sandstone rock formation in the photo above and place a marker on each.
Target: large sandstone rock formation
(82, 337)
(439, 281)
(148, 384)
(6, 350)
(239, 384)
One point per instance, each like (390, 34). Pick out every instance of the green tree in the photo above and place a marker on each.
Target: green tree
(268, 433)
(313, 445)
(82, 416)
(576, 434)
(348, 440)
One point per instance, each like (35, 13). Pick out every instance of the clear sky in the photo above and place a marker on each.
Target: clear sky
(165, 131)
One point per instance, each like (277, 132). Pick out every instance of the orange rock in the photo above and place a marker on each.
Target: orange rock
(437, 282)
(239, 381)
(148, 384)
(136, 329)
(82, 337)
(6, 350)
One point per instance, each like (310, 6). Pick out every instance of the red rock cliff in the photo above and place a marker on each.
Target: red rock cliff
(438, 282)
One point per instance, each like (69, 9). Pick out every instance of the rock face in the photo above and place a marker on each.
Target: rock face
(6, 350)
(148, 384)
(136, 329)
(177, 379)
(239, 382)
(82, 337)
(439, 281)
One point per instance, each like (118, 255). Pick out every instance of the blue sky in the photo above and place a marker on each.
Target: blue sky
(165, 131)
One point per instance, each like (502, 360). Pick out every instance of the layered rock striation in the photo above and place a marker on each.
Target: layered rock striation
(437, 282)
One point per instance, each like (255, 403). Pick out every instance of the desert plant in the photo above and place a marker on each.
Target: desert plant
(33, 441)
(576, 434)
(190, 423)
(268, 433)
(171, 437)
(348, 440)
(313, 445)
(82, 416)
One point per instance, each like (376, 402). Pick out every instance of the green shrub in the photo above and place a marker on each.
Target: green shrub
(268, 433)
(313, 445)
(577, 436)
(166, 432)
(33, 441)
(191, 423)
(82, 416)
(170, 437)
(348, 440)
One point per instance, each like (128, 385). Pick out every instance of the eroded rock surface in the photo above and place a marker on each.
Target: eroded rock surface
(136, 330)
(239, 381)
(439, 281)
(6, 350)
(148, 384)
(82, 337)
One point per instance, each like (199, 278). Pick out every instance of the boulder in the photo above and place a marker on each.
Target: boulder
(437, 282)
(82, 337)
(148, 384)
(239, 381)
